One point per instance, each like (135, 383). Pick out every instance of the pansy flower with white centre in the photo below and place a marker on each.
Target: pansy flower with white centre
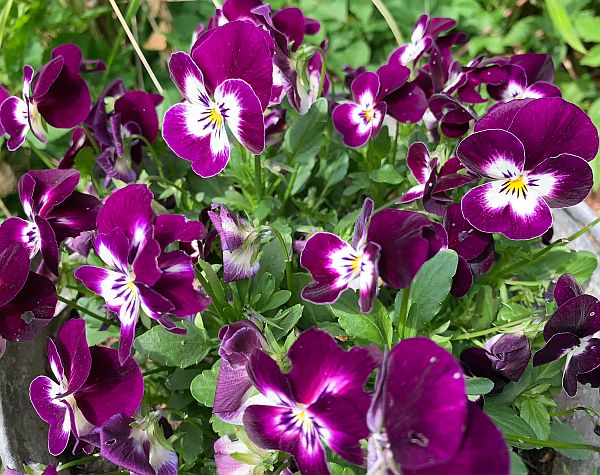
(321, 401)
(57, 93)
(56, 211)
(517, 86)
(537, 163)
(573, 331)
(91, 386)
(336, 265)
(220, 94)
(362, 119)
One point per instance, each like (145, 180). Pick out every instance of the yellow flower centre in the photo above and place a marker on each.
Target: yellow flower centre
(515, 187)
(368, 114)
(215, 117)
(356, 263)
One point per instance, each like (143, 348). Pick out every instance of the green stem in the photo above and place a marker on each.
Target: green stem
(91, 138)
(131, 10)
(281, 468)
(81, 461)
(288, 261)
(81, 309)
(160, 369)
(488, 331)
(152, 151)
(386, 14)
(387, 204)
(395, 145)
(550, 443)
(258, 178)
(41, 155)
(403, 317)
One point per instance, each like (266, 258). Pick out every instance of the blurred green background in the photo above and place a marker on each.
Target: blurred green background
(568, 30)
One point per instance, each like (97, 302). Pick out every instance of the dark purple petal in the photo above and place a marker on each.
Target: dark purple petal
(113, 249)
(41, 190)
(139, 107)
(463, 278)
(75, 356)
(542, 89)
(290, 21)
(407, 104)
(14, 119)
(188, 78)
(235, 9)
(49, 246)
(74, 215)
(512, 88)
(419, 162)
(362, 223)
(510, 354)
(237, 50)
(585, 359)
(368, 287)
(579, 315)
(477, 362)
(566, 288)
(538, 67)
(268, 378)
(556, 347)
(233, 386)
(17, 230)
(145, 264)
(426, 406)
(14, 270)
(391, 77)
(467, 241)
(170, 228)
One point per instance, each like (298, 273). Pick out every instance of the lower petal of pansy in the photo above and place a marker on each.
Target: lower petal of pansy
(507, 207)
(414, 193)
(49, 246)
(44, 393)
(353, 122)
(369, 276)
(562, 181)
(14, 117)
(18, 230)
(128, 315)
(242, 112)
(542, 89)
(556, 347)
(582, 359)
(197, 133)
(110, 285)
(14, 270)
(241, 263)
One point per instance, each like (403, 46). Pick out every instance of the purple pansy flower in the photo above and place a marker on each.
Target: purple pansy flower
(336, 265)
(294, 25)
(234, 386)
(56, 93)
(422, 423)
(138, 446)
(27, 300)
(143, 276)
(226, 81)
(4, 94)
(475, 249)
(92, 386)
(320, 401)
(56, 211)
(574, 331)
(453, 117)
(240, 243)
(537, 162)
(362, 119)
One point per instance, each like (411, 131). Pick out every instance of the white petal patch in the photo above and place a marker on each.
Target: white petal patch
(347, 263)
(500, 167)
(194, 90)
(543, 184)
(523, 204)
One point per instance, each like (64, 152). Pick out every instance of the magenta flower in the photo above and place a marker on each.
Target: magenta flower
(27, 300)
(143, 276)
(294, 25)
(535, 158)
(254, 458)
(336, 265)
(92, 386)
(321, 401)
(57, 93)
(226, 82)
(362, 119)
(422, 423)
(573, 331)
(56, 211)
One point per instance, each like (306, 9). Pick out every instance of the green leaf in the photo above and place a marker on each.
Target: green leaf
(171, 349)
(429, 289)
(536, 415)
(592, 58)
(220, 427)
(588, 27)
(509, 423)
(204, 385)
(336, 469)
(305, 137)
(517, 466)
(561, 432)
(479, 386)
(387, 174)
(562, 22)
(277, 300)
(374, 327)
(189, 444)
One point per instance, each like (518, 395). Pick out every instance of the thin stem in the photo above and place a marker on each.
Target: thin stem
(488, 331)
(4, 209)
(136, 47)
(258, 178)
(160, 369)
(81, 461)
(389, 19)
(550, 443)
(41, 155)
(395, 145)
(282, 468)
(403, 317)
(152, 150)
(288, 261)
(91, 138)
(81, 309)
(131, 10)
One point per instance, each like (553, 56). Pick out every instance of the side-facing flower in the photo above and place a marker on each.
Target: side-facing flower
(535, 162)
(57, 93)
(242, 457)
(294, 25)
(56, 211)
(336, 265)
(137, 445)
(572, 331)
(321, 401)
(27, 300)
(91, 386)
(422, 423)
(362, 119)
(240, 243)
(225, 82)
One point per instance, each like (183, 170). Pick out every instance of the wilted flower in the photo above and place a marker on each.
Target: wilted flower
(422, 423)
(56, 211)
(573, 331)
(336, 265)
(226, 82)
(92, 386)
(57, 93)
(321, 401)
(535, 156)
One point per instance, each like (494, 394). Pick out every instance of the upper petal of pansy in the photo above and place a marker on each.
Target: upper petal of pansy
(579, 315)
(362, 223)
(111, 387)
(241, 109)
(419, 162)
(552, 126)
(130, 209)
(196, 133)
(538, 67)
(365, 89)
(145, 264)
(290, 21)
(507, 207)
(42, 190)
(14, 270)
(237, 50)
(463, 278)
(556, 347)
(462, 237)
(425, 404)
(268, 378)
(493, 153)
(391, 78)
(483, 450)
(332, 264)
(170, 228)
(4, 94)
(321, 367)
(512, 88)
(73, 216)
(139, 107)
(188, 78)
(510, 354)
(14, 116)
(566, 288)
(72, 346)
(113, 249)
(407, 104)
(564, 180)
